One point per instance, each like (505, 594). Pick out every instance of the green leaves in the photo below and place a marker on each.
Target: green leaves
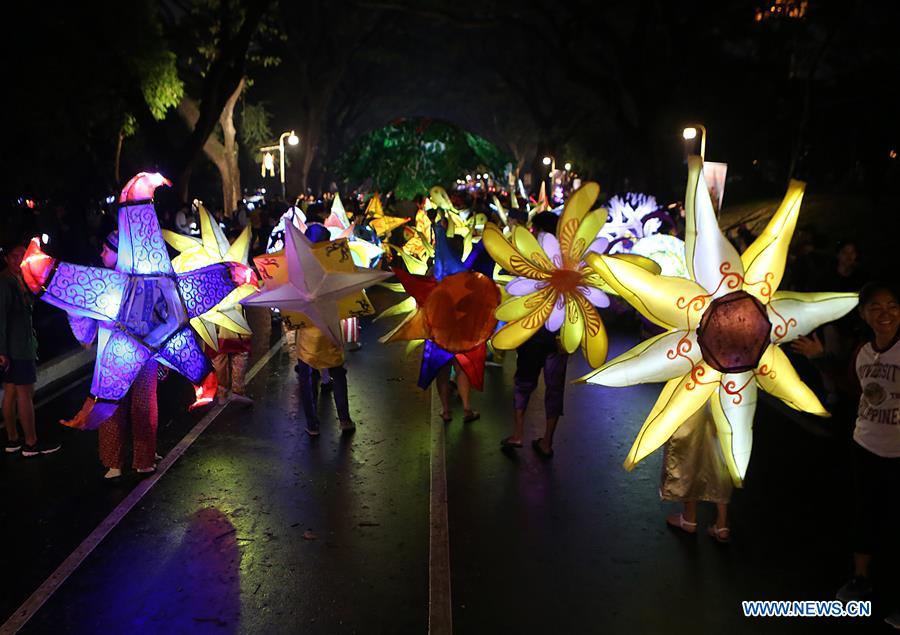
(411, 155)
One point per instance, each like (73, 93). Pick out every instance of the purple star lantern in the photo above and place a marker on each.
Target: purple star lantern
(138, 311)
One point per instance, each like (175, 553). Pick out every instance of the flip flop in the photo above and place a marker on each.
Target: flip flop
(446, 417)
(508, 443)
(471, 415)
(536, 445)
(721, 534)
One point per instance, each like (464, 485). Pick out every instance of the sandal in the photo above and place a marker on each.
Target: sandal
(721, 534)
(509, 443)
(536, 445)
(446, 417)
(471, 415)
(678, 522)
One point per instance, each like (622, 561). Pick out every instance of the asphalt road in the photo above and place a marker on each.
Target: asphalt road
(259, 529)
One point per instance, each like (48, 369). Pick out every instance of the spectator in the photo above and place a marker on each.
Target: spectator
(876, 446)
(18, 351)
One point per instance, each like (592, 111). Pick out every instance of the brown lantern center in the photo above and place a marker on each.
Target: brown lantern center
(734, 333)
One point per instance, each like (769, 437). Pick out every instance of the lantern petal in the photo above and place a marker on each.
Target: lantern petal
(765, 258)
(508, 257)
(680, 398)
(795, 314)
(527, 245)
(517, 332)
(572, 331)
(519, 307)
(733, 406)
(673, 303)
(550, 246)
(776, 375)
(594, 342)
(657, 359)
(524, 286)
(557, 315)
(577, 207)
(712, 260)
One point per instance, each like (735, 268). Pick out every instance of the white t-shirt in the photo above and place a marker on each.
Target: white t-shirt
(878, 420)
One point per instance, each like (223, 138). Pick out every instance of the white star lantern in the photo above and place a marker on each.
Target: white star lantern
(312, 288)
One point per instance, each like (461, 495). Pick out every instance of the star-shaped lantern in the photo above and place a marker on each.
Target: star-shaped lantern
(212, 247)
(315, 281)
(723, 327)
(454, 312)
(140, 310)
(379, 221)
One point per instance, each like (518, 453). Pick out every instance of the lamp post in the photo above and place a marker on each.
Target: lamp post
(690, 132)
(293, 140)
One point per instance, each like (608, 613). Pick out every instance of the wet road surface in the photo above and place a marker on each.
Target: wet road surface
(258, 528)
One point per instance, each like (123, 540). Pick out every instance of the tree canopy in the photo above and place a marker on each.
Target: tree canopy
(411, 155)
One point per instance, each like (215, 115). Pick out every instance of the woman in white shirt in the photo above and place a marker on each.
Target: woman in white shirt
(876, 439)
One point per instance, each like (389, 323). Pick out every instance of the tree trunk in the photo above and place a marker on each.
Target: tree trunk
(231, 177)
(224, 154)
(117, 169)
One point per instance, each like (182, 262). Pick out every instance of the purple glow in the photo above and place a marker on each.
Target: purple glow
(183, 353)
(204, 288)
(119, 359)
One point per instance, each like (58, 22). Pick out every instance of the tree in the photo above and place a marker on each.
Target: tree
(221, 33)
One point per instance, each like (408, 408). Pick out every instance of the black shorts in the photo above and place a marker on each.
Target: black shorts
(21, 372)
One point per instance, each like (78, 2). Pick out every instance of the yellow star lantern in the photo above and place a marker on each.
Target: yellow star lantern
(723, 327)
(212, 247)
(381, 223)
(554, 286)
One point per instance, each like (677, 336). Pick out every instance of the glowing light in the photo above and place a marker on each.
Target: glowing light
(892, 154)
(630, 218)
(312, 284)
(553, 286)
(723, 327)
(568, 167)
(547, 160)
(689, 133)
(137, 310)
(666, 251)
(45, 239)
(293, 139)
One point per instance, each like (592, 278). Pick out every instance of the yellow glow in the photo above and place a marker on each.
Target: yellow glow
(212, 247)
(554, 286)
(678, 305)
(689, 133)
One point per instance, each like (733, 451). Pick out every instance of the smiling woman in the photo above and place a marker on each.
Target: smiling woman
(876, 447)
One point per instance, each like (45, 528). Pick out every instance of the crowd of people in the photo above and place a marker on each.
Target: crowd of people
(851, 363)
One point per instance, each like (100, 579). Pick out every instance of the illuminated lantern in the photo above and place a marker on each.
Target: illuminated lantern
(666, 251)
(453, 312)
(723, 327)
(631, 217)
(554, 286)
(138, 311)
(312, 281)
(381, 223)
(268, 165)
(212, 247)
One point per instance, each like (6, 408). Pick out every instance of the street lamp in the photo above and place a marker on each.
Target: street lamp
(293, 140)
(690, 132)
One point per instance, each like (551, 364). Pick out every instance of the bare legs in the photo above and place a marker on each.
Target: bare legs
(19, 400)
(463, 386)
